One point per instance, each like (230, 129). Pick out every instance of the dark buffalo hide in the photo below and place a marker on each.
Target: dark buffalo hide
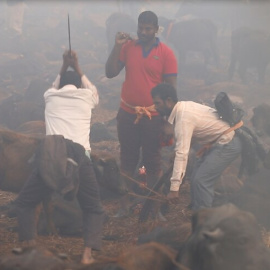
(144, 257)
(16, 152)
(32, 128)
(33, 258)
(173, 237)
(225, 238)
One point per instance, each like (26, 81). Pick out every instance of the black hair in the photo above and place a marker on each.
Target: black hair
(165, 91)
(70, 77)
(148, 17)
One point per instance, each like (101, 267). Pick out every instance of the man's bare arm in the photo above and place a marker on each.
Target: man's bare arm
(113, 66)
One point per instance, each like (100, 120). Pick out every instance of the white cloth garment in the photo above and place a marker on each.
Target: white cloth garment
(193, 121)
(68, 110)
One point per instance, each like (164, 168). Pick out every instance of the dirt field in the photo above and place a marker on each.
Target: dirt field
(39, 56)
(124, 230)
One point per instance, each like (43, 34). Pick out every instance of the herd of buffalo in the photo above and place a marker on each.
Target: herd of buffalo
(227, 236)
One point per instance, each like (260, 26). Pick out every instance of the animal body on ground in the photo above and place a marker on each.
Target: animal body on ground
(16, 152)
(225, 238)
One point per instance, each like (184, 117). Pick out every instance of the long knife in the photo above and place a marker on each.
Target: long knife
(69, 37)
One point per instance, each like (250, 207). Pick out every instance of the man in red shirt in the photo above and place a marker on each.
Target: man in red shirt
(147, 63)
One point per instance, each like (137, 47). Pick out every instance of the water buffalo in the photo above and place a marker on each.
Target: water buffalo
(33, 258)
(148, 256)
(224, 238)
(118, 22)
(172, 236)
(195, 34)
(16, 151)
(33, 128)
(249, 48)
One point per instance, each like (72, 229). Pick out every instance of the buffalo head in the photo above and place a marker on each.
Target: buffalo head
(108, 173)
(225, 238)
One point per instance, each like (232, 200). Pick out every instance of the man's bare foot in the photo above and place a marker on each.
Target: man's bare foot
(24, 245)
(87, 257)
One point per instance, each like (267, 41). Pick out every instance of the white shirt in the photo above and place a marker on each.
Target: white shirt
(193, 120)
(68, 110)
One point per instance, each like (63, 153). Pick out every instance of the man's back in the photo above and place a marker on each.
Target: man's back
(68, 109)
(68, 112)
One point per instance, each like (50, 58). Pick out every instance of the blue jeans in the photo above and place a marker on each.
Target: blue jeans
(208, 169)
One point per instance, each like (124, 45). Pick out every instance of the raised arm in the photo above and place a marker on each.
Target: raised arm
(74, 63)
(113, 66)
(86, 83)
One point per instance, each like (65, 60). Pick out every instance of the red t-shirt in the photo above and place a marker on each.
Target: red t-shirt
(144, 70)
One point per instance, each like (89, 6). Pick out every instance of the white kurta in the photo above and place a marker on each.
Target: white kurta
(68, 110)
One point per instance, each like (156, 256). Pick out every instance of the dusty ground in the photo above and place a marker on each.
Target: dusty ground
(44, 61)
(124, 230)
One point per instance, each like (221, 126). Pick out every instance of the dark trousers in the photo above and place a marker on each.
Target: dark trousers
(35, 190)
(208, 170)
(143, 136)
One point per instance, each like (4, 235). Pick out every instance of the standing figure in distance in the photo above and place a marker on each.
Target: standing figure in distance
(147, 62)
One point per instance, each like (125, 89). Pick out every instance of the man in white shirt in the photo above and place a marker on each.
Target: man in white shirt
(69, 103)
(68, 106)
(196, 121)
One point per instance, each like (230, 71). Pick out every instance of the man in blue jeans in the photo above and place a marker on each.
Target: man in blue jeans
(194, 121)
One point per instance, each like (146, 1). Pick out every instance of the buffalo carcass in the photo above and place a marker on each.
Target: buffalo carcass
(249, 48)
(118, 22)
(65, 213)
(32, 128)
(225, 238)
(34, 258)
(16, 151)
(148, 256)
(195, 34)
